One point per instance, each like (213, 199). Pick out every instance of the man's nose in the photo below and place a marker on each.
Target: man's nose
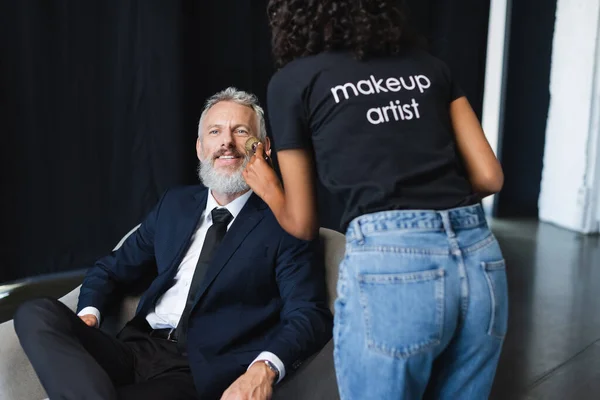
(227, 137)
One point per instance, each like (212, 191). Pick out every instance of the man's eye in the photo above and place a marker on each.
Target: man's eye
(242, 132)
(213, 132)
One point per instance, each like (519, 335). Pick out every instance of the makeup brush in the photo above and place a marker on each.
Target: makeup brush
(250, 146)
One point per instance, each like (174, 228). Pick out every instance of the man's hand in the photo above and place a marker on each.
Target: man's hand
(90, 320)
(255, 384)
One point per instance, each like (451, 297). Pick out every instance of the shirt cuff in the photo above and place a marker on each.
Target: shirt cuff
(268, 356)
(90, 310)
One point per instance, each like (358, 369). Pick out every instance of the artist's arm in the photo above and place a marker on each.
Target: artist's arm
(293, 204)
(483, 168)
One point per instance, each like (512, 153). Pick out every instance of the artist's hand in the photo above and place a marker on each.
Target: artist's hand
(255, 384)
(90, 320)
(260, 176)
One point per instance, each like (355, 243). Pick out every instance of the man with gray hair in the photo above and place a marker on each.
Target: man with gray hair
(236, 304)
(229, 180)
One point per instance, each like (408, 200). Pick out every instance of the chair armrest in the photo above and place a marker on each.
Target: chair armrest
(17, 377)
(70, 299)
(18, 380)
(314, 380)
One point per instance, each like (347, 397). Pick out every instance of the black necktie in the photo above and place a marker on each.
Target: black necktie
(221, 218)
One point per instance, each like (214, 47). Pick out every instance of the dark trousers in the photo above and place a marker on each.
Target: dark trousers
(75, 361)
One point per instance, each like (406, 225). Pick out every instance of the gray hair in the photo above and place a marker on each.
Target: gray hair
(240, 97)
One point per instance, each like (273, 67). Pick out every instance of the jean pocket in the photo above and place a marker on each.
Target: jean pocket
(403, 313)
(495, 275)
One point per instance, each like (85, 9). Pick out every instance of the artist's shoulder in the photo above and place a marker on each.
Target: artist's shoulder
(428, 59)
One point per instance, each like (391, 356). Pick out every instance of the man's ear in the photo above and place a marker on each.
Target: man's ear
(267, 146)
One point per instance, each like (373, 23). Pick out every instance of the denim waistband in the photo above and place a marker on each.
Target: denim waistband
(425, 220)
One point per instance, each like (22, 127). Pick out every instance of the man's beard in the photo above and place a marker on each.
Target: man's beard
(225, 182)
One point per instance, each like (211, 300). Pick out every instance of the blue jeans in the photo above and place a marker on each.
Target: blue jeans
(422, 306)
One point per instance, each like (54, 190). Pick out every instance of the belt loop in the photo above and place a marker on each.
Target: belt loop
(355, 232)
(447, 224)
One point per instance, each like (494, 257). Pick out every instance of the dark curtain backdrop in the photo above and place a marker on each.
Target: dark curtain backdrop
(99, 102)
(527, 102)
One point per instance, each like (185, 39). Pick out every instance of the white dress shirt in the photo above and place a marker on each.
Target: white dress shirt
(170, 305)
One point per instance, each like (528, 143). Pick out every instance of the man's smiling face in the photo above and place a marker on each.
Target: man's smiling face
(220, 146)
(224, 131)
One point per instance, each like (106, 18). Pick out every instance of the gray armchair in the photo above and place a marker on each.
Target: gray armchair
(315, 380)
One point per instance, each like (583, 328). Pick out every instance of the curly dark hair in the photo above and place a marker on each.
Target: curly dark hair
(365, 27)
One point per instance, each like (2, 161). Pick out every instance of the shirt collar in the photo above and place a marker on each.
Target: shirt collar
(235, 207)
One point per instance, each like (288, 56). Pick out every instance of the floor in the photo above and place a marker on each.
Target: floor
(552, 350)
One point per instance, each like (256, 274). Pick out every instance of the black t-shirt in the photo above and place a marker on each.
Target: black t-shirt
(380, 129)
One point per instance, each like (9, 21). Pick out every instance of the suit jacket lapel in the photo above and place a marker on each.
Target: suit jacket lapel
(243, 224)
(188, 227)
(182, 237)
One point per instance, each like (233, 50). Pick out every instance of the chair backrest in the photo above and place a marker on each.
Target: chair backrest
(124, 238)
(334, 248)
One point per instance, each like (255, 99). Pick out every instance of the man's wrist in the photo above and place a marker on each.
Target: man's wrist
(275, 361)
(274, 371)
(267, 368)
(90, 310)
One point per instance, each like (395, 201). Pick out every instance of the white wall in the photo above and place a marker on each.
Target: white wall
(570, 176)
(494, 89)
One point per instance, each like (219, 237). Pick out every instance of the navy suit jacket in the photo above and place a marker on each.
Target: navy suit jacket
(264, 290)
